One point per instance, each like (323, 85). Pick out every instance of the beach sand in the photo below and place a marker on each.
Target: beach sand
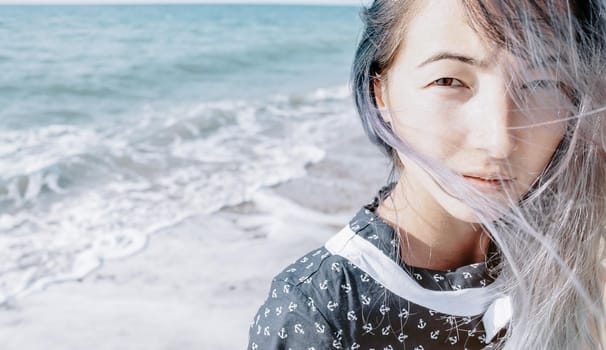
(198, 285)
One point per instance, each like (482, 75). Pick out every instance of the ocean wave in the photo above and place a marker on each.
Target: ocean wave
(72, 196)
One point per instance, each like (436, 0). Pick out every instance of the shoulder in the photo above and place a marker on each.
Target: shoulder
(294, 314)
(320, 277)
(331, 283)
(311, 267)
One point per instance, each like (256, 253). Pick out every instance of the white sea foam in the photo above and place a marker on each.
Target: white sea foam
(73, 197)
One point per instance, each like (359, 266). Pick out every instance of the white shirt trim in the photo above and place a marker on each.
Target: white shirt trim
(464, 302)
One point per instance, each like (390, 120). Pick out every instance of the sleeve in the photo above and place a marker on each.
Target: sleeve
(289, 320)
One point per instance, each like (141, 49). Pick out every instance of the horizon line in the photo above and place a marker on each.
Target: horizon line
(180, 2)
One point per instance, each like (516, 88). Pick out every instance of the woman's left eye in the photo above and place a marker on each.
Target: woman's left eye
(557, 85)
(538, 84)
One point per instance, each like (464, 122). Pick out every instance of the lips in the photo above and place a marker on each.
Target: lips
(489, 178)
(489, 183)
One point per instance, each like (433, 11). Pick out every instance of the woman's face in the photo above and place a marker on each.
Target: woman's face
(448, 96)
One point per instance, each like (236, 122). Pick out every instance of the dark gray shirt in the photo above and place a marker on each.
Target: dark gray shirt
(325, 300)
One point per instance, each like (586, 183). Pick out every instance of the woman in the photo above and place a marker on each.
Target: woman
(492, 236)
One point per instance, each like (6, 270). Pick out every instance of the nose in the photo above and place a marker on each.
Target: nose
(490, 119)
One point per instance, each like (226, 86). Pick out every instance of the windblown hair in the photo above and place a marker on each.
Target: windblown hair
(552, 240)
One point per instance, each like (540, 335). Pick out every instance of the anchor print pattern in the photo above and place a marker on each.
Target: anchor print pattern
(322, 301)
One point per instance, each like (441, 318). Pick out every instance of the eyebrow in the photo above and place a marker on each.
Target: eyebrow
(456, 57)
(445, 55)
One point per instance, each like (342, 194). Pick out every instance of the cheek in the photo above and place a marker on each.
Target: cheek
(430, 129)
(538, 147)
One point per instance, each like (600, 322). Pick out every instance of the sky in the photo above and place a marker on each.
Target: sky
(318, 2)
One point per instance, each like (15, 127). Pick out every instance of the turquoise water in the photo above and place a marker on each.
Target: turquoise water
(81, 64)
(118, 121)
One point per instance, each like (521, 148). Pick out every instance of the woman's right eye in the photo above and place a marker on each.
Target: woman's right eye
(448, 82)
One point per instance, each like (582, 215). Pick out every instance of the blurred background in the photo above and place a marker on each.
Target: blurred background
(159, 163)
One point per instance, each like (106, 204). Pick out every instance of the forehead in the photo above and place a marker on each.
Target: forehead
(440, 25)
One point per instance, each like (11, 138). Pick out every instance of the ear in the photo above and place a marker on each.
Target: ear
(379, 92)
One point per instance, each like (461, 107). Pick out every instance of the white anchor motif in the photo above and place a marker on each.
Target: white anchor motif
(403, 314)
(420, 347)
(453, 340)
(482, 338)
(346, 287)
(324, 285)
(291, 270)
(364, 278)
(266, 331)
(292, 306)
(402, 337)
(307, 281)
(303, 278)
(434, 334)
(456, 287)
(332, 305)
(384, 309)
(312, 348)
(438, 278)
(374, 237)
(367, 327)
(337, 344)
(278, 310)
(286, 288)
(450, 320)
(466, 275)
(421, 324)
(432, 312)
(323, 256)
(299, 329)
(282, 334)
(258, 329)
(386, 330)
(339, 334)
(309, 266)
(254, 346)
(274, 295)
(355, 346)
(267, 311)
(320, 328)
(311, 304)
(483, 283)
(365, 300)
(304, 260)
(351, 315)
(335, 267)
(318, 252)
(418, 276)
(388, 347)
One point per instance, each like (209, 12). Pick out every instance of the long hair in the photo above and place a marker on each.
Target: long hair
(552, 240)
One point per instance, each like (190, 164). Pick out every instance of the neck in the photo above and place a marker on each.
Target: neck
(429, 236)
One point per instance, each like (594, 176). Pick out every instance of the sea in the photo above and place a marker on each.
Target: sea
(117, 121)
